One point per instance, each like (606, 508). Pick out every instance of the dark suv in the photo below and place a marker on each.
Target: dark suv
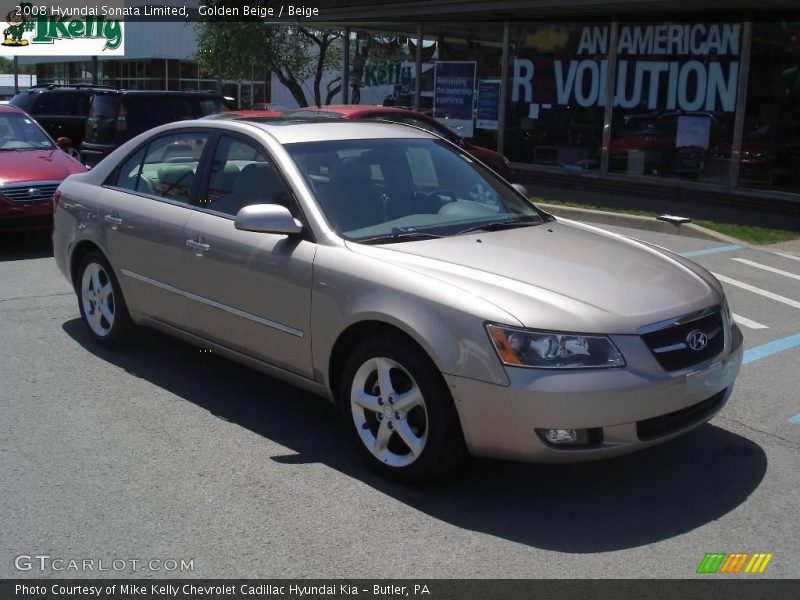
(117, 116)
(60, 109)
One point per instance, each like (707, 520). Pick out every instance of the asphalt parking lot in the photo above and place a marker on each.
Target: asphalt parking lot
(165, 452)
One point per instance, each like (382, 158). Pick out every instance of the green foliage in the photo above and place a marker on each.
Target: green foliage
(7, 66)
(232, 49)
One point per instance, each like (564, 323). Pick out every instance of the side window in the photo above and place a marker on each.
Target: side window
(129, 175)
(43, 104)
(170, 165)
(241, 174)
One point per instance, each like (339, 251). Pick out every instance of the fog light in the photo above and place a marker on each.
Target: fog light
(572, 437)
(561, 436)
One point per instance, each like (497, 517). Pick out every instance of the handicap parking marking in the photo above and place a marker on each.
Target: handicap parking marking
(715, 250)
(757, 290)
(770, 348)
(751, 263)
(795, 419)
(748, 322)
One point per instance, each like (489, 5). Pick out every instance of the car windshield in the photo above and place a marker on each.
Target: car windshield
(397, 189)
(20, 132)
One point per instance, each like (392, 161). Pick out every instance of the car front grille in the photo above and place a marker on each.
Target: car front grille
(30, 192)
(678, 345)
(657, 427)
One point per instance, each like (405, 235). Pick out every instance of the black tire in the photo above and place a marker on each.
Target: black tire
(114, 333)
(443, 447)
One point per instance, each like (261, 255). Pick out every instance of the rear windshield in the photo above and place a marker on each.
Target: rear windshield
(105, 106)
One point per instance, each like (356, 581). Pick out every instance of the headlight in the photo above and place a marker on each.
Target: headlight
(552, 350)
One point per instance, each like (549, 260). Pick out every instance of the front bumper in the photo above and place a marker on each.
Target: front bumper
(627, 409)
(20, 216)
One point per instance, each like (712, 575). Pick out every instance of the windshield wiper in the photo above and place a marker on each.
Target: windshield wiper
(499, 225)
(399, 236)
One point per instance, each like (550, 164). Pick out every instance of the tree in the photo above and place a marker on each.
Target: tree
(232, 49)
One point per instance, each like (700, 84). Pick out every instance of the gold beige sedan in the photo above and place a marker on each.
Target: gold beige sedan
(387, 270)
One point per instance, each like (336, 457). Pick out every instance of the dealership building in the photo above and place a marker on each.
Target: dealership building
(694, 100)
(684, 99)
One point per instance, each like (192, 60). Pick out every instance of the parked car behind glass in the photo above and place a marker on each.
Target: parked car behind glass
(389, 271)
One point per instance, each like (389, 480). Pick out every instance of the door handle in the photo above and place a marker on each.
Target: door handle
(198, 247)
(115, 222)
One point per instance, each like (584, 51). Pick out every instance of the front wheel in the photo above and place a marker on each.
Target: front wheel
(400, 411)
(100, 300)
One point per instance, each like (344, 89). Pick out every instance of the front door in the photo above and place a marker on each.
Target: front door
(248, 291)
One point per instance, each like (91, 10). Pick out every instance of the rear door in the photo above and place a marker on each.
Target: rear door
(148, 204)
(248, 291)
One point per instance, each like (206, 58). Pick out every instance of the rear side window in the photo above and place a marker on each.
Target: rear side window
(24, 100)
(129, 175)
(57, 103)
(171, 163)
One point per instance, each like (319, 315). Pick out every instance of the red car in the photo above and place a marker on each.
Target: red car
(359, 112)
(245, 114)
(31, 168)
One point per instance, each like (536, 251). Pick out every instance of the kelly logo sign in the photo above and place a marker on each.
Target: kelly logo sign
(30, 30)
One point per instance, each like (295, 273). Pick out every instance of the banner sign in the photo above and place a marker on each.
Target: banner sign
(454, 95)
(688, 67)
(33, 30)
(488, 104)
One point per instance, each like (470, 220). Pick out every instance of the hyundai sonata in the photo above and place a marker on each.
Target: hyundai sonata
(387, 270)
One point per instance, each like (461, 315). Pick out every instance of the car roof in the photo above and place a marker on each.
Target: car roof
(9, 108)
(292, 132)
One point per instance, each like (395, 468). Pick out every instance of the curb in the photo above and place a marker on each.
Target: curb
(638, 222)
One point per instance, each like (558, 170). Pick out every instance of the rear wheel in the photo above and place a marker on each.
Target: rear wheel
(100, 300)
(400, 411)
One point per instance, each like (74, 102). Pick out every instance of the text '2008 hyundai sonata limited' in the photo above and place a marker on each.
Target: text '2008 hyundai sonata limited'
(391, 272)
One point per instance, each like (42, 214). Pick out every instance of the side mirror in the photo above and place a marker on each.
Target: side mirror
(64, 143)
(267, 218)
(521, 189)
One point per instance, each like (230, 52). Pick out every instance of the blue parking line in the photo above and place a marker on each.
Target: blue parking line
(770, 348)
(795, 419)
(715, 250)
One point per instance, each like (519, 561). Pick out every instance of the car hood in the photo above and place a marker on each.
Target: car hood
(562, 276)
(18, 166)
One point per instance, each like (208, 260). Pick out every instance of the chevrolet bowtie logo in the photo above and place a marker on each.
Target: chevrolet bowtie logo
(734, 563)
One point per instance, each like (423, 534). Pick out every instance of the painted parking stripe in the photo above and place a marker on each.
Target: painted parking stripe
(770, 348)
(795, 419)
(759, 291)
(748, 322)
(715, 250)
(784, 255)
(744, 261)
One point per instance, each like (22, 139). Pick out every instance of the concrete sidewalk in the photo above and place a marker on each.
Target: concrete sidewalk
(708, 211)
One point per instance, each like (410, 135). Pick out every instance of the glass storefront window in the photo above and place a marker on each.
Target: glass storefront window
(770, 154)
(675, 100)
(556, 94)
